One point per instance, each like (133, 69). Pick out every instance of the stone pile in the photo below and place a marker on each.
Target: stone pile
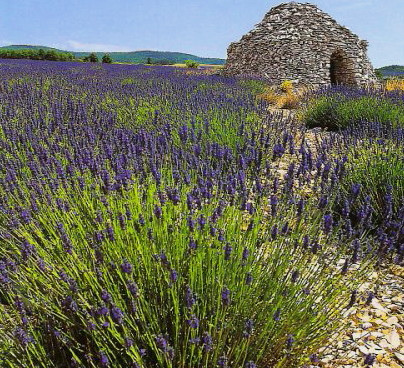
(299, 42)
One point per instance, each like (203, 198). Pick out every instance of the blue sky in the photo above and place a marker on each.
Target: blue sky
(200, 27)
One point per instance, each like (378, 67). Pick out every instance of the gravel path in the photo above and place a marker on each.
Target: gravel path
(374, 332)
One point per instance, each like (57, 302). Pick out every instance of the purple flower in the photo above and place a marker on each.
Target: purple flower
(69, 304)
(369, 298)
(369, 359)
(274, 232)
(189, 297)
(250, 364)
(192, 244)
(246, 253)
(91, 326)
(226, 296)
(222, 362)
(277, 315)
(207, 342)
(117, 315)
(248, 278)
(323, 202)
(27, 250)
(356, 248)
(133, 289)
(227, 251)
(345, 267)
(110, 233)
(162, 343)
(157, 211)
(193, 322)
(104, 360)
(314, 358)
(274, 204)
(22, 336)
(126, 267)
(173, 276)
(128, 342)
(289, 342)
(278, 151)
(328, 222)
(249, 327)
(105, 296)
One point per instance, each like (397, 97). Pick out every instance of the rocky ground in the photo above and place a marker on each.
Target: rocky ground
(375, 331)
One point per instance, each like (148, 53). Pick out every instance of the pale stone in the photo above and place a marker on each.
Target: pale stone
(377, 305)
(392, 320)
(394, 339)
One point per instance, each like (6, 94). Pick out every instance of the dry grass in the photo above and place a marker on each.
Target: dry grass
(395, 84)
(286, 96)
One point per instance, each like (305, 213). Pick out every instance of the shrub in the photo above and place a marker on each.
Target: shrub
(286, 99)
(191, 64)
(286, 86)
(92, 58)
(107, 59)
(395, 84)
(377, 166)
(337, 111)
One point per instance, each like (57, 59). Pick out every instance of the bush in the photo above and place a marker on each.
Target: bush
(107, 59)
(395, 84)
(282, 97)
(378, 168)
(337, 111)
(92, 58)
(191, 64)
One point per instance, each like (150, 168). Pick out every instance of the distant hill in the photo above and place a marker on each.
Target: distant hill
(392, 70)
(132, 56)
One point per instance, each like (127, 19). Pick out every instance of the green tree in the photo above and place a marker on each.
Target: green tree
(92, 58)
(107, 59)
(149, 61)
(191, 64)
(379, 74)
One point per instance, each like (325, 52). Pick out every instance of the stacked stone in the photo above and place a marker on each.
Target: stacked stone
(298, 42)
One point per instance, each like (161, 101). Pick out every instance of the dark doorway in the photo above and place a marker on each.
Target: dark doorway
(341, 70)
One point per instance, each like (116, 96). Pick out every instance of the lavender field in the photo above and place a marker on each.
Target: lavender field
(160, 218)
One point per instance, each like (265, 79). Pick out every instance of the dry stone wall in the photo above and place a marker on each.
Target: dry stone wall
(299, 42)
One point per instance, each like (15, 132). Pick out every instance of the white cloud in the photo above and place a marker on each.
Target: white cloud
(82, 46)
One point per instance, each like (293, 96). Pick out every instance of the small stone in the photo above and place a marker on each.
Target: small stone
(378, 306)
(366, 325)
(392, 320)
(358, 335)
(400, 357)
(394, 339)
(384, 344)
(364, 350)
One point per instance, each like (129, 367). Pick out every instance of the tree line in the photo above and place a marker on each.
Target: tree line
(52, 55)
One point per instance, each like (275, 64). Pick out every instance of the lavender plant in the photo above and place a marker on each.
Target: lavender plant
(147, 224)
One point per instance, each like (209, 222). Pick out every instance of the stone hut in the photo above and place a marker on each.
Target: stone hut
(299, 42)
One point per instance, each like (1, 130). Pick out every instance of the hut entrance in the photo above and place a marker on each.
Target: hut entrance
(341, 70)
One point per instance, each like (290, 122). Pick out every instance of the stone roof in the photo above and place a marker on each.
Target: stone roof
(295, 37)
